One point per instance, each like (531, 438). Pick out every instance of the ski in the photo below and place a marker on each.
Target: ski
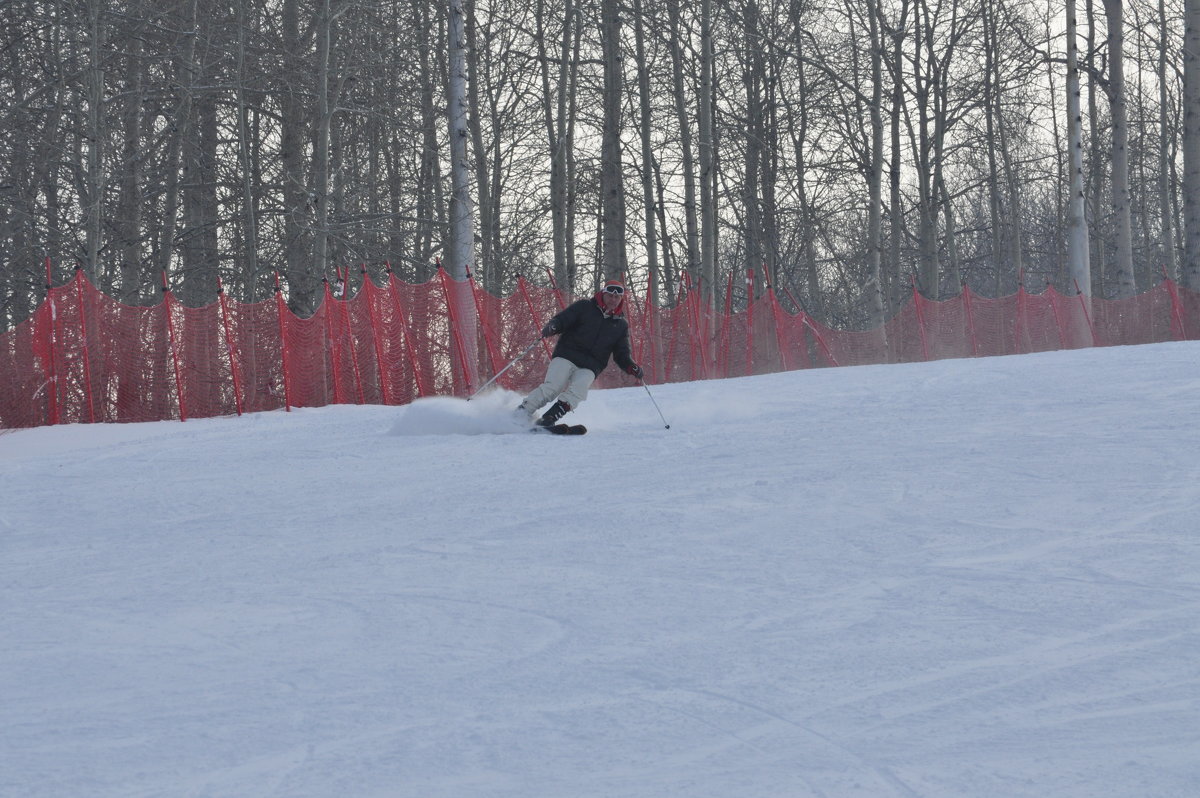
(563, 429)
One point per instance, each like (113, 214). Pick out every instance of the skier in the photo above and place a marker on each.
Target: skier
(592, 331)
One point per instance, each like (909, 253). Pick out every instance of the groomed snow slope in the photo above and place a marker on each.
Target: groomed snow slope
(958, 579)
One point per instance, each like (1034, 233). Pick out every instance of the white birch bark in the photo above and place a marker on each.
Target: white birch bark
(1191, 145)
(1077, 228)
(1123, 277)
(460, 248)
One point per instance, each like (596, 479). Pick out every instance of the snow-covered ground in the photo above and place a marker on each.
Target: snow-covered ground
(957, 579)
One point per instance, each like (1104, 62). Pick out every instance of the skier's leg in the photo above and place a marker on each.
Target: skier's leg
(577, 387)
(574, 392)
(557, 377)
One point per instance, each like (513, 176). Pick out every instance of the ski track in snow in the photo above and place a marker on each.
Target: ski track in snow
(963, 578)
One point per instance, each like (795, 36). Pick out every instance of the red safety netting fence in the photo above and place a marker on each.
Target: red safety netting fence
(84, 357)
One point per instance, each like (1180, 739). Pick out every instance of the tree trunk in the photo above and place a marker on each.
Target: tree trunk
(1098, 256)
(1077, 226)
(708, 200)
(321, 156)
(129, 221)
(93, 201)
(460, 248)
(1123, 276)
(1191, 145)
(489, 232)
(1165, 210)
(647, 166)
(875, 172)
(298, 209)
(752, 80)
(892, 282)
(612, 186)
(248, 267)
(691, 225)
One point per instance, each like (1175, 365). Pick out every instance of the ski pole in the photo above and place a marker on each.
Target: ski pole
(511, 363)
(656, 407)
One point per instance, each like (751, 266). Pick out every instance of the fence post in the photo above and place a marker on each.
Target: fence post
(166, 292)
(1058, 323)
(649, 314)
(554, 287)
(1087, 315)
(368, 288)
(349, 334)
(631, 304)
(537, 323)
(699, 339)
(726, 339)
(331, 345)
(1176, 309)
(51, 311)
(679, 304)
(233, 364)
(917, 298)
(280, 310)
(489, 343)
(813, 329)
(87, 358)
(413, 360)
(1017, 348)
(455, 329)
(749, 321)
(776, 312)
(966, 292)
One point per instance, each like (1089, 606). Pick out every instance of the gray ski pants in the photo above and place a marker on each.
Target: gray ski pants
(564, 380)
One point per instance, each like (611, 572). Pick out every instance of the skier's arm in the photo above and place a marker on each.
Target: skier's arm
(562, 321)
(624, 357)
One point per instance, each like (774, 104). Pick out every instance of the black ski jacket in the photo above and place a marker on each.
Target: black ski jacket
(590, 337)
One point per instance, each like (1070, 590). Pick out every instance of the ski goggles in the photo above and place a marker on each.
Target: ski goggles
(614, 289)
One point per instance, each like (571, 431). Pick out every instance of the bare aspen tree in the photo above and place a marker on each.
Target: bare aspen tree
(684, 118)
(645, 133)
(752, 145)
(93, 199)
(246, 159)
(297, 205)
(1165, 146)
(1096, 160)
(923, 144)
(708, 200)
(198, 239)
(550, 104)
(939, 30)
(558, 76)
(994, 125)
(489, 233)
(460, 251)
(874, 288)
(1190, 272)
(326, 97)
(1003, 145)
(131, 179)
(430, 201)
(798, 105)
(1123, 276)
(891, 283)
(612, 187)
(460, 247)
(1077, 227)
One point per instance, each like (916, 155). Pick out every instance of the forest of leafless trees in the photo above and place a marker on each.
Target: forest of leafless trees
(846, 149)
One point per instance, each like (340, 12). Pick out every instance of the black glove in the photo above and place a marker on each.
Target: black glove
(636, 370)
(551, 328)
